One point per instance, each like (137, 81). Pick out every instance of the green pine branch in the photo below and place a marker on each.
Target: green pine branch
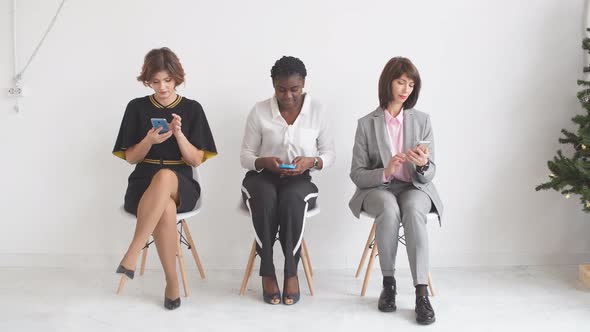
(571, 175)
(584, 95)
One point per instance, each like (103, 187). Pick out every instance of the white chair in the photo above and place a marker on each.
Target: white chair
(182, 239)
(304, 251)
(371, 244)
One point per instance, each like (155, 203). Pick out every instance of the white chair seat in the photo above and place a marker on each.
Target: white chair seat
(310, 213)
(432, 216)
(179, 216)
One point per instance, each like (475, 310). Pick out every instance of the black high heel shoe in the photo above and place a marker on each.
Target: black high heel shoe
(268, 298)
(293, 297)
(171, 304)
(122, 270)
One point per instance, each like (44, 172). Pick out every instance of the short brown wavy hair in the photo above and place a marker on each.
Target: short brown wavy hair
(394, 69)
(160, 59)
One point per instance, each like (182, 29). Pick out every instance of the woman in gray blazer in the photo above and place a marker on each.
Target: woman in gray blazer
(392, 168)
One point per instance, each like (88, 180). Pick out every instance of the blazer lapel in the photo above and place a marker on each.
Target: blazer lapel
(381, 136)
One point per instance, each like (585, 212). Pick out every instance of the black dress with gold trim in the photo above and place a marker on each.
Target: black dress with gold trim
(134, 127)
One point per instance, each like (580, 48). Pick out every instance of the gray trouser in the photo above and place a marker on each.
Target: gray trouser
(401, 202)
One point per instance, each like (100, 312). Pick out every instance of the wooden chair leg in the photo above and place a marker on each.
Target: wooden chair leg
(121, 284)
(249, 268)
(191, 243)
(307, 270)
(369, 267)
(432, 292)
(304, 246)
(252, 265)
(366, 251)
(143, 259)
(182, 267)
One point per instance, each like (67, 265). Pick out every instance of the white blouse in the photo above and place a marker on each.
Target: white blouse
(267, 134)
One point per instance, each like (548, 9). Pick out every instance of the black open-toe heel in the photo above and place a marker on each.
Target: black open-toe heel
(122, 270)
(293, 297)
(171, 304)
(268, 298)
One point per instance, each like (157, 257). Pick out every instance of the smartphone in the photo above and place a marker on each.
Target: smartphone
(158, 122)
(287, 166)
(423, 145)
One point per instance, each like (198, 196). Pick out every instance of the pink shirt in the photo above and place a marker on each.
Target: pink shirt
(395, 131)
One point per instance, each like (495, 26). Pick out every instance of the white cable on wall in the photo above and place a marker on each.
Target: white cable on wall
(19, 76)
(14, 57)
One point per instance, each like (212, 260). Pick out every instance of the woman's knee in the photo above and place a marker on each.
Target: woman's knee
(261, 193)
(413, 216)
(263, 202)
(381, 203)
(289, 198)
(388, 218)
(413, 209)
(164, 177)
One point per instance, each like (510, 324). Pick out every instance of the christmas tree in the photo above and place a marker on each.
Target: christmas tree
(572, 175)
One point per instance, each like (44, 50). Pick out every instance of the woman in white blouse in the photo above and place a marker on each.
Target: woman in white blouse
(285, 138)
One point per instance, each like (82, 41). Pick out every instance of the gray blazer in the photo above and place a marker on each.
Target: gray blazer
(371, 152)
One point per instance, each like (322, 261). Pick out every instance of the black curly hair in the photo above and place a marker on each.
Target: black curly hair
(287, 66)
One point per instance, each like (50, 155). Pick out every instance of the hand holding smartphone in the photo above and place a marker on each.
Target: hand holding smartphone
(158, 122)
(423, 145)
(287, 166)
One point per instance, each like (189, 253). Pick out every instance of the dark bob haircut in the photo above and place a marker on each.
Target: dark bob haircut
(160, 59)
(394, 69)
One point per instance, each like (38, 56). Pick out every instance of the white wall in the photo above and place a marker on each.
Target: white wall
(499, 82)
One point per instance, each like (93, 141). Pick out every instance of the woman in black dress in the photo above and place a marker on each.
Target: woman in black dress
(162, 183)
